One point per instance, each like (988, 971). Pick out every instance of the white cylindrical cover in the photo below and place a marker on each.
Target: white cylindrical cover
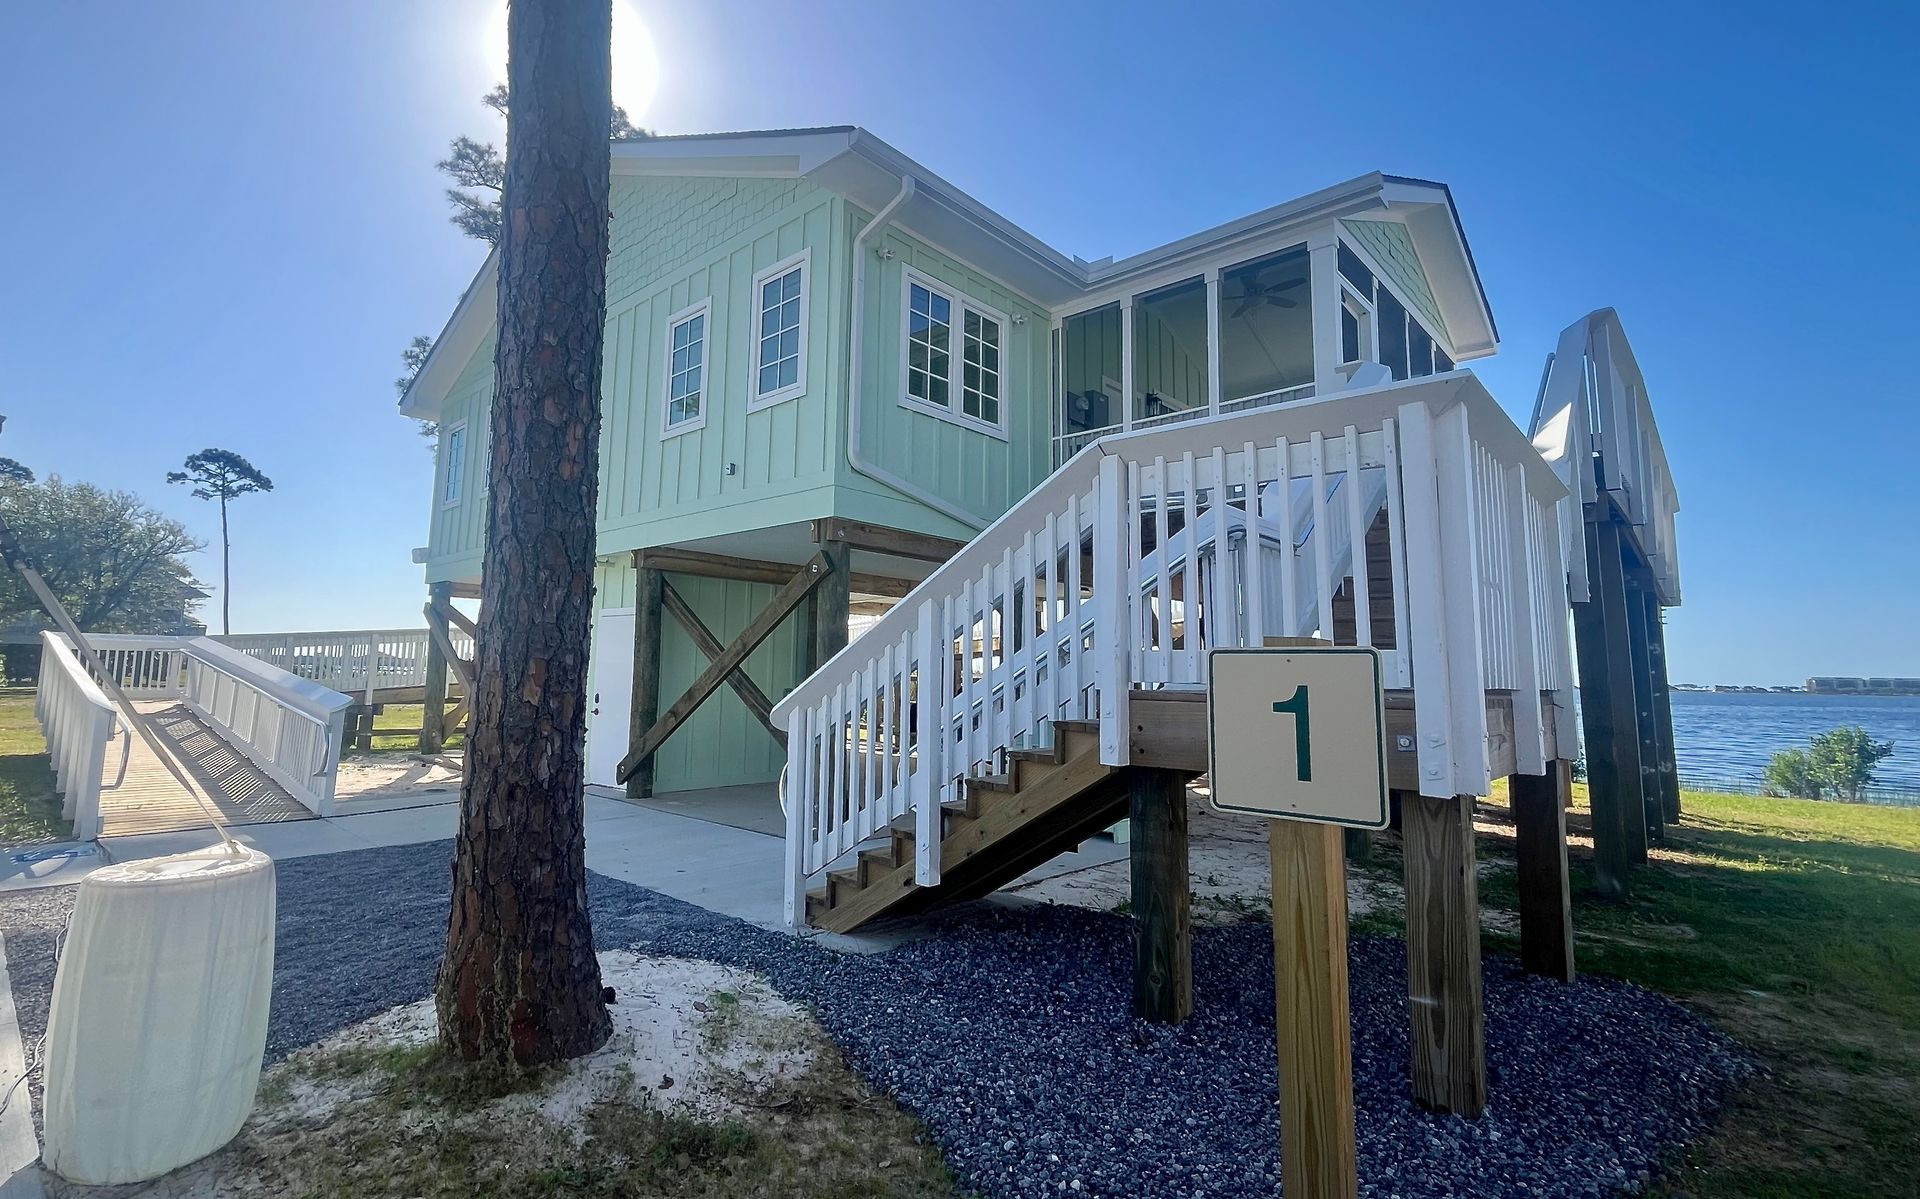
(159, 1015)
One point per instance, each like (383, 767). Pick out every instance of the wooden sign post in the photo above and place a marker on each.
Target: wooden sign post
(1298, 734)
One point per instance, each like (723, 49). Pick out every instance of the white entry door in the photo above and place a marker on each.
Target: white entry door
(610, 702)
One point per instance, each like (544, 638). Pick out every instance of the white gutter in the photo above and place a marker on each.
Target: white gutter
(855, 400)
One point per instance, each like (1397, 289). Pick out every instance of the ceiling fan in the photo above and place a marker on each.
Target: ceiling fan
(1254, 293)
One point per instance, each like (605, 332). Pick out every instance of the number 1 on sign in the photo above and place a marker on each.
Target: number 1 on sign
(1295, 705)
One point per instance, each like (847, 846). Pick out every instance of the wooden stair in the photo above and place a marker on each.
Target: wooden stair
(1003, 825)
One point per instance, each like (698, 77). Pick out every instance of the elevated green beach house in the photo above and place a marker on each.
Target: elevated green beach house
(828, 370)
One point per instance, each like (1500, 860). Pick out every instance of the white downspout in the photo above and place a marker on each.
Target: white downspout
(855, 403)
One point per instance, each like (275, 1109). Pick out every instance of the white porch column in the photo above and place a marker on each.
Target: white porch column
(1213, 340)
(1323, 261)
(1126, 362)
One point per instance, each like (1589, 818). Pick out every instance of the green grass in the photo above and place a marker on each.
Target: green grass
(29, 807)
(1795, 926)
(397, 729)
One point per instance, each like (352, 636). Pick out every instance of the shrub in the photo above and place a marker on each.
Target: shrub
(1837, 763)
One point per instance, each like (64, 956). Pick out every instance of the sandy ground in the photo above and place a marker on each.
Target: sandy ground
(1231, 875)
(690, 1038)
(1232, 878)
(396, 777)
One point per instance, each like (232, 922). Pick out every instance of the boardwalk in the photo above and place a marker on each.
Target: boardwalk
(150, 800)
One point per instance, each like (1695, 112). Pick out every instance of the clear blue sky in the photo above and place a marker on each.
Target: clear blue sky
(223, 223)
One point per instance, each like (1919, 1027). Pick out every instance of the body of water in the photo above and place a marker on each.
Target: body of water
(1730, 736)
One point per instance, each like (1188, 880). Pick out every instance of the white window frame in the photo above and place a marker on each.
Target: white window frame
(756, 400)
(453, 477)
(702, 309)
(961, 304)
(1382, 279)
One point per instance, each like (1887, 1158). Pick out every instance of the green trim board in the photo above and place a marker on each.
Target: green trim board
(1332, 769)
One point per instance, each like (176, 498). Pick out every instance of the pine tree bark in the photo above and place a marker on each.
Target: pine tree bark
(519, 984)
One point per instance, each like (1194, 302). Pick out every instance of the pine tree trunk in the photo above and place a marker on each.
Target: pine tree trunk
(226, 573)
(519, 983)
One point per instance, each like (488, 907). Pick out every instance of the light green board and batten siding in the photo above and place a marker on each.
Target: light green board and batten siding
(1392, 248)
(789, 459)
(975, 471)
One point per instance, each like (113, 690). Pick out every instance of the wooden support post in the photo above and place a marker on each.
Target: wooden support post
(832, 597)
(1540, 857)
(1606, 712)
(644, 708)
(1663, 710)
(1644, 723)
(648, 738)
(1162, 921)
(1359, 845)
(1443, 955)
(1318, 1157)
(433, 715)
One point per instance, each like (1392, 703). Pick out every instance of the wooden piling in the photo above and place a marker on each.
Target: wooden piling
(433, 712)
(1318, 1155)
(1606, 712)
(1663, 710)
(1646, 725)
(648, 615)
(1443, 955)
(1540, 858)
(1162, 919)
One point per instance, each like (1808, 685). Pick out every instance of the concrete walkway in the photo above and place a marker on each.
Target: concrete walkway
(720, 868)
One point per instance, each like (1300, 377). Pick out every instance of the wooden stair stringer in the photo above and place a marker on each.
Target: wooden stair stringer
(1038, 808)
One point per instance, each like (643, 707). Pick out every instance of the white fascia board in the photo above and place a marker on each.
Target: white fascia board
(1427, 211)
(760, 155)
(472, 319)
(1352, 198)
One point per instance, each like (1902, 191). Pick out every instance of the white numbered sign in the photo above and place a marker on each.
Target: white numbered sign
(1299, 732)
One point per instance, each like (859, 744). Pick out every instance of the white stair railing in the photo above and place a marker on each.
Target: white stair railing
(1107, 578)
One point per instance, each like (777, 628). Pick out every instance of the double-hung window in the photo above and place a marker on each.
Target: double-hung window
(953, 354)
(455, 441)
(780, 332)
(687, 369)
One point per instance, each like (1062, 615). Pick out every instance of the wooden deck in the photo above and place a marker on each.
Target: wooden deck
(150, 800)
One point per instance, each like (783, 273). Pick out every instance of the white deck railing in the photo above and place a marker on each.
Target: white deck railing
(1594, 424)
(79, 724)
(352, 661)
(287, 726)
(1106, 579)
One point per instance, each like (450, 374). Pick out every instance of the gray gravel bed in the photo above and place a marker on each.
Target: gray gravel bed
(1009, 1033)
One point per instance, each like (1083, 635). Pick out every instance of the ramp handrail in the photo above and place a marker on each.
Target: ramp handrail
(1101, 581)
(1594, 425)
(287, 726)
(78, 721)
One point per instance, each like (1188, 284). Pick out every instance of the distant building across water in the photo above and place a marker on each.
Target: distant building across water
(1843, 685)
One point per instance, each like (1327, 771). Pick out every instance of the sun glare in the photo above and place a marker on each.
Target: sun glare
(636, 69)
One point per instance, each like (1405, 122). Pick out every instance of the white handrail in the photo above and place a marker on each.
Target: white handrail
(285, 725)
(1108, 578)
(78, 722)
